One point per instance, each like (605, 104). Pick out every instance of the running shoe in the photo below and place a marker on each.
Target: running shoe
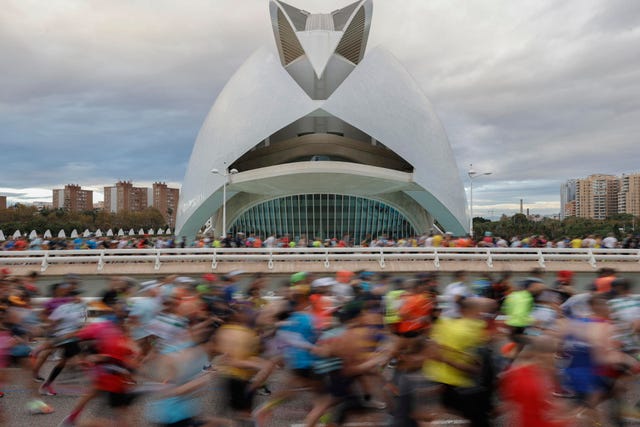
(47, 390)
(264, 391)
(563, 393)
(36, 407)
(373, 404)
(38, 379)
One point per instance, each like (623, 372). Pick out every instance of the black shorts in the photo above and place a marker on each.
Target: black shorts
(70, 349)
(120, 400)
(240, 397)
(410, 334)
(337, 384)
(189, 422)
(306, 373)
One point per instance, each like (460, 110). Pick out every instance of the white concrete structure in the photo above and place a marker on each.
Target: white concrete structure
(319, 97)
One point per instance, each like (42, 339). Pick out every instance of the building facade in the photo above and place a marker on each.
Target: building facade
(350, 144)
(629, 195)
(125, 197)
(567, 199)
(601, 196)
(165, 199)
(73, 198)
(3, 202)
(597, 196)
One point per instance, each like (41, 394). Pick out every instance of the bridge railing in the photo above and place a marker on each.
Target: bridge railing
(271, 256)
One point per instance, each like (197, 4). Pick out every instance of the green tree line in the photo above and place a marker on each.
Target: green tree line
(26, 218)
(519, 225)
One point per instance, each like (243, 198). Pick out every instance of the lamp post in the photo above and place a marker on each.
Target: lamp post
(473, 174)
(224, 174)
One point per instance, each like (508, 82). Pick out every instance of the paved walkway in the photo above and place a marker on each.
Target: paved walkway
(71, 384)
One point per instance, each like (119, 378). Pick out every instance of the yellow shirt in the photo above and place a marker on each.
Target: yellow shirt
(239, 343)
(576, 243)
(458, 338)
(437, 240)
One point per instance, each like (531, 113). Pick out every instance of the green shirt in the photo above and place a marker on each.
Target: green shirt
(518, 307)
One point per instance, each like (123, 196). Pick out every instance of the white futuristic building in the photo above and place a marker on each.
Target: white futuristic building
(327, 141)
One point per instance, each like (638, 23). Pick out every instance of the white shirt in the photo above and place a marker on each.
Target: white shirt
(70, 317)
(609, 242)
(171, 330)
(577, 306)
(451, 294)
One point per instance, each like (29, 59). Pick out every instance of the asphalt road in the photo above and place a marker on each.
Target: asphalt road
(71, 384)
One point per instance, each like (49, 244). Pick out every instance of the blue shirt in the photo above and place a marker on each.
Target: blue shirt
(300, 323)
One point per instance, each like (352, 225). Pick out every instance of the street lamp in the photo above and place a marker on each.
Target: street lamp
(473, 174)
(225, 174)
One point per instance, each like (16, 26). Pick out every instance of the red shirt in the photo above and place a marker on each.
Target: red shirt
(110, 341)
(527, 387)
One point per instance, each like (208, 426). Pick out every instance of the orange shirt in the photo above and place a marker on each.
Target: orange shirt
(414, 311)
(603, 284)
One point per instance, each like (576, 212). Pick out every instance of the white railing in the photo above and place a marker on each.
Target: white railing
(271, 256)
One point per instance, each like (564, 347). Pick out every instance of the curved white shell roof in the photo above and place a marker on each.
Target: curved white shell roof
(378, 97)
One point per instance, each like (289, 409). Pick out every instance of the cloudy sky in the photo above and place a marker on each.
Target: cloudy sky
(535, 91)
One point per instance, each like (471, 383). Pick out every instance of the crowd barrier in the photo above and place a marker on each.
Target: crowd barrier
(271, 257)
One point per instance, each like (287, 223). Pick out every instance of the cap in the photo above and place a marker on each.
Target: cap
(322, 282)
(344, 276)
(235, 273)
(298, 277)
(184, 280)
(565, 275)
(202, 288)
(210, 277)
(367, 275)
(148, 285)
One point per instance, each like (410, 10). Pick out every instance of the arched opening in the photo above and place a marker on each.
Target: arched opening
(324, 216)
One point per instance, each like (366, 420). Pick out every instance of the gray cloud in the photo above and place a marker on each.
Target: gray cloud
(536, 92)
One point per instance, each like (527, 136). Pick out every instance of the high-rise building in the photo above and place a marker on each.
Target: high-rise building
(124, 196)
(569, 209)
(73, 198)
(567, 198)
(629, 194)
(3, 202)
(597, 196)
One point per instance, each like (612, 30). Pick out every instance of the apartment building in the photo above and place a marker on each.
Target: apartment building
(600, 196)
(124, 196)
(629, 194)
(73, 198)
